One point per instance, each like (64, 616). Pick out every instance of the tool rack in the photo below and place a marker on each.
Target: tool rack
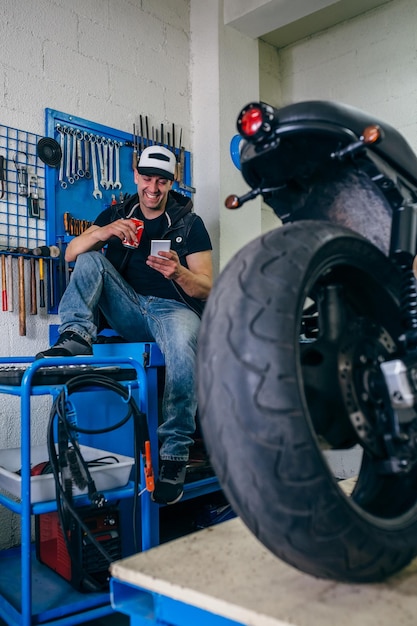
(21, 163)
(77, 197)
(63, 209)
(31, 593)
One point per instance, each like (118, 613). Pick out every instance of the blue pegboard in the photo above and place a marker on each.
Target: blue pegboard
(17, 228)
(76, 198)
(67, 194)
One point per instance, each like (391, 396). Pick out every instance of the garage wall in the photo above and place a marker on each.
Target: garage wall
(224, 71)
(103, 60)
(108, 61)
(369, 62)
(270, 90)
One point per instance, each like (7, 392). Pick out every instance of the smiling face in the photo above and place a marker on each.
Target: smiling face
(153, 194)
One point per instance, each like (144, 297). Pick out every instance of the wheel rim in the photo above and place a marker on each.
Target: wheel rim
(347, 330)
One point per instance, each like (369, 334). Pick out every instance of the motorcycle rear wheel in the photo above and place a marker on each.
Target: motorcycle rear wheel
(276, 403)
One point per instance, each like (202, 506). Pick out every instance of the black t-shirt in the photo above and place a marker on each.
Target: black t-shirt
(137, 273)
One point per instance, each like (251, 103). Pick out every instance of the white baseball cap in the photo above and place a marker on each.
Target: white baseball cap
(157, 161)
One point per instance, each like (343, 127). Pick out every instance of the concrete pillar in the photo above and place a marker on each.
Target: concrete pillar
(224, 74)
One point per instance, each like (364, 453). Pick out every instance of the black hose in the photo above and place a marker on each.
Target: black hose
(73, 456)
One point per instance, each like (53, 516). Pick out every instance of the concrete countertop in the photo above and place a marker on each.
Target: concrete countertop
(225, 570)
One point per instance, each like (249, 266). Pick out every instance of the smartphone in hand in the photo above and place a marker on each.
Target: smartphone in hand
(157, 245)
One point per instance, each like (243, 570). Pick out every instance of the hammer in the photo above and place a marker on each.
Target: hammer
(11, 284)
(33, 299)
(22, 305)
(3, 283)
(45, 251)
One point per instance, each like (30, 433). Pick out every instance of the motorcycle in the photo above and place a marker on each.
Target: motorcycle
(308, 344)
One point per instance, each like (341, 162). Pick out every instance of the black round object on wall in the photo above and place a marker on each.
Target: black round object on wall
(49, 151)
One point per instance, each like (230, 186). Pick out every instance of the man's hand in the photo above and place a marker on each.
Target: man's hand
(120, 228)
(95, 237)
(167, 263)
(196, 280)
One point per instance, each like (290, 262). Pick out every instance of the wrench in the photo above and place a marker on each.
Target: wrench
(61, 167)
(74, 155)
(87, 138)
(68, 151)
(79, 136)
(96, 193)
(117, 184)
(110, 182)
(104, 145)
(103, 181)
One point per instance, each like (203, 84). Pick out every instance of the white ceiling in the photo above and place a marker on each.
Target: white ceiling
(282, 22)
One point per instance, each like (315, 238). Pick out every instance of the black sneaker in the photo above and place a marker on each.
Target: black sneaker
(68, 344)
(169, 487)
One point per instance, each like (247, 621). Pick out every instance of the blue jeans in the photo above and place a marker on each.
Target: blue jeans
(95, 284)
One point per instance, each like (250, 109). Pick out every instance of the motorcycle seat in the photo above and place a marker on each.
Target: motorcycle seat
(394, 149)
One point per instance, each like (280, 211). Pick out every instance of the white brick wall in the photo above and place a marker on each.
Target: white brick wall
(369, 62)
(105, 61)
(102, 60)
(108, 61)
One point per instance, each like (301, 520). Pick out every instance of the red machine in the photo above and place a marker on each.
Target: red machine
(79, 559)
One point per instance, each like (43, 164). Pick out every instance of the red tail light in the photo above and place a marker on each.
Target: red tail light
(251, 122)
(256, 121)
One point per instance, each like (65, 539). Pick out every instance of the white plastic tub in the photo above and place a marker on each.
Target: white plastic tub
(105, 477)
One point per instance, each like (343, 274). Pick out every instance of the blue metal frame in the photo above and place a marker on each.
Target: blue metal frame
(73, 607)
(145, 607)
(153, 359)
(81, 606)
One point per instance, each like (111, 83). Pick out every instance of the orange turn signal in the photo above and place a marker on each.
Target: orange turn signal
(372, 134)
(232, 202)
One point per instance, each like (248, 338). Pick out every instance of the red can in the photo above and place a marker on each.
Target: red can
(139, 231)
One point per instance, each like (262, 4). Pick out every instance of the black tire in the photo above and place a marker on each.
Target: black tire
(269, 403)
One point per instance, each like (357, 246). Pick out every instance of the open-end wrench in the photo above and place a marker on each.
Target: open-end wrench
(110, 182)
(79, 136)
(87, 139)
(74, 155)
(104, 147)
(62, 182)
(98, 142)
(68, 154)
(96, 192)
(117, 184)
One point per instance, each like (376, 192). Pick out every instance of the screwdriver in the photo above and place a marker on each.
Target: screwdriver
(2, 176)
(41, 284)
(135, 150)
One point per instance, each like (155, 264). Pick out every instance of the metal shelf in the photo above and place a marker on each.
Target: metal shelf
(37, 595)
